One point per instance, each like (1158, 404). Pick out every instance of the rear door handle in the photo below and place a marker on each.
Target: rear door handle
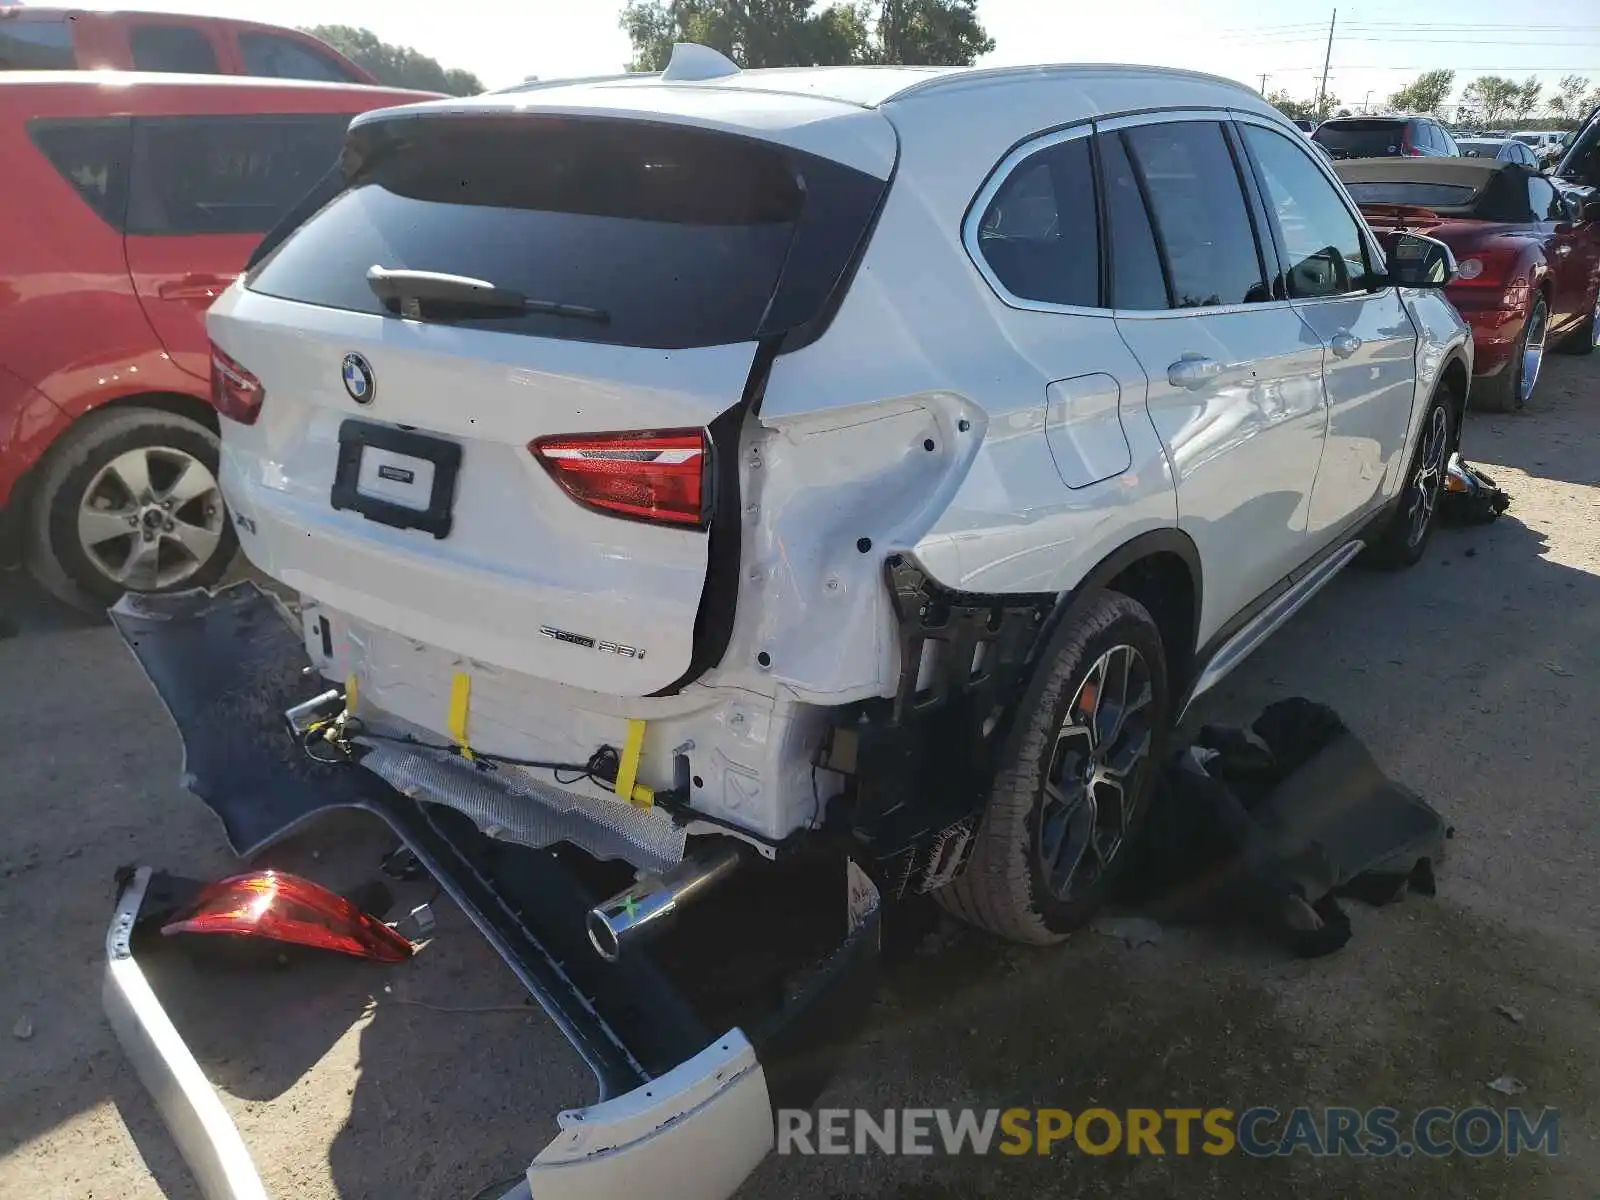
(1344, 343)
(197, 286)
(1193, 371)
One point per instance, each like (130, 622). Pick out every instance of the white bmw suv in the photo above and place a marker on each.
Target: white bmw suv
(731, 456)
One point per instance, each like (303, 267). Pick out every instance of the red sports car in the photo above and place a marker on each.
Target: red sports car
(1528, 254)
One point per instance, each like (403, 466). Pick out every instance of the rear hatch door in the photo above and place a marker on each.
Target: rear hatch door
(495, 363)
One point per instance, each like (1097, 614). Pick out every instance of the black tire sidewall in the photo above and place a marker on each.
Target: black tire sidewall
(1396, 548)
(97, 448)
(1132, 626)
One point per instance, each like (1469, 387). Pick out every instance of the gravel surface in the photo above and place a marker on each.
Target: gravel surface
(1475, 678)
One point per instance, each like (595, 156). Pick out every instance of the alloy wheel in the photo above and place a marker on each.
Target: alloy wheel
(1425, 486)
(1532, 351)
(151, 518)
(1094, 781)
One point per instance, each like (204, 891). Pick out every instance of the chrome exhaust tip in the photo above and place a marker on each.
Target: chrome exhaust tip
(637, 912)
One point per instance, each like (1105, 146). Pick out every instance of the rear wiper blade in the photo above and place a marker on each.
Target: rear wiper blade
(410, 290)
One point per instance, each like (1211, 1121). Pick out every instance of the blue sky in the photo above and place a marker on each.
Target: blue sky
(1378, 46)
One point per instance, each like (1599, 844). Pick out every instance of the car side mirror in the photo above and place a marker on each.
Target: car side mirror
(1419, 262)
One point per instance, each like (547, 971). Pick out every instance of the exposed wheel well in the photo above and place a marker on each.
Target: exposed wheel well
(1162, 582)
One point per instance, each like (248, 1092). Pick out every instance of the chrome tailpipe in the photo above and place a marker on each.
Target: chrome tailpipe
(647, 907)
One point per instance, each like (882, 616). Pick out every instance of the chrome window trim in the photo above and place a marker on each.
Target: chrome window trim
(998, 178)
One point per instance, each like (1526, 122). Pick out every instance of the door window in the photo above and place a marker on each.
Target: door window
(1137, 280)
(36, 46)
(1039, 235)
(279, 57)
(1543, 200)
(227, 174)
(1325, 254)
(179, 48)
(1447, 144)
(1202, 225)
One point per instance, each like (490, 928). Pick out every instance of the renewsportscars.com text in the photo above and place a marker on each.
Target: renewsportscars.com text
(1260, 1132)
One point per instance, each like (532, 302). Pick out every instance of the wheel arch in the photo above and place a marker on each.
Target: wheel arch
(1456, 377)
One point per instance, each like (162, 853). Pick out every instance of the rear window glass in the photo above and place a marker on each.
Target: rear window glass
(174, 48)
(1477, 149)
(227, 174)
(1362, 139)
(1040, 235)
(93, 157)
(1423, 195)
(36, 46)
(679, 236)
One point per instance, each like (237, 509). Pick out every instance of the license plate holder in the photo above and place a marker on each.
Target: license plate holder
(379, 464)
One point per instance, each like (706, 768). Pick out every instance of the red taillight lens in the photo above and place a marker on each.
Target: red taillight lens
(286, 908)
(651, 476)
(235, 392)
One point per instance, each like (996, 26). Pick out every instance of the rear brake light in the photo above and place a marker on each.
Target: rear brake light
(285, 908)
(656, 475)
(235, 392)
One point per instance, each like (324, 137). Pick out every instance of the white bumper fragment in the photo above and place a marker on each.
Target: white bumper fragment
(694, 1133)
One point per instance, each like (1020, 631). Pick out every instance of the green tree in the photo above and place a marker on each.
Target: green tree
(1295, 110)
(396, 66)
(789, 33)
(1492, 97)
(1527, 98)
(1425, 93)
(1567, 100)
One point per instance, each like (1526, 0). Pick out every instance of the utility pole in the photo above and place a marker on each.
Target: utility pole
(1322, 89)
(1263, 83)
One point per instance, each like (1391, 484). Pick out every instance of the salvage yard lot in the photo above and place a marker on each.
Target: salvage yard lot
(1474, 678)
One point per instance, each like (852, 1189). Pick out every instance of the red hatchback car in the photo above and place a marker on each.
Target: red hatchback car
(130, 202)
(1528, 254)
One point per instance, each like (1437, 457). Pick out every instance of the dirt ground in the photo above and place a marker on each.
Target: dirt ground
(1474, 678)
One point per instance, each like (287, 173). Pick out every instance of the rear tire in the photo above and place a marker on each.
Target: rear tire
(1404, 537)
(1503, 393)
(129, 492)
(1045, 857)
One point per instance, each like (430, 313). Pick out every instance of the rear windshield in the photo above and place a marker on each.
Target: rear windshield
(1422, 195)
(678, 235)
(1528, 139)
(1476, 149)
(1362, 139)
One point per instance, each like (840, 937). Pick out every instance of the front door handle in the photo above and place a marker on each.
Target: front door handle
(1193, 371)
(1344, 343)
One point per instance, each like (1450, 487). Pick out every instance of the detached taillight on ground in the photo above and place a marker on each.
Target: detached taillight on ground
(235, 392)
(658, 475)
(286, 908)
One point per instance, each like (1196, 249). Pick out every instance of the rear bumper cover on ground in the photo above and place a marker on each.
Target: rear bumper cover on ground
(683, 1114)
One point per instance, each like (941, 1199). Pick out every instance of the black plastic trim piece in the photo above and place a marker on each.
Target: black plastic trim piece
(354, 436)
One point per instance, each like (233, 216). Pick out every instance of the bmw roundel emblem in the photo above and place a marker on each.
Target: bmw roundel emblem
(358, 380)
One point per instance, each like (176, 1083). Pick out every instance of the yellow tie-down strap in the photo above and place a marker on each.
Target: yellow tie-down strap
(628, 785)
(460, 706)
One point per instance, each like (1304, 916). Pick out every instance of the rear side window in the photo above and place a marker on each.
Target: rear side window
(93, 157)
(1137, 281)
(227, 174)
(678, 236)
(279, 57)
(1201, 222)
(1039, 235)
(178, 48)
(1362, 139)
(36, 46)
